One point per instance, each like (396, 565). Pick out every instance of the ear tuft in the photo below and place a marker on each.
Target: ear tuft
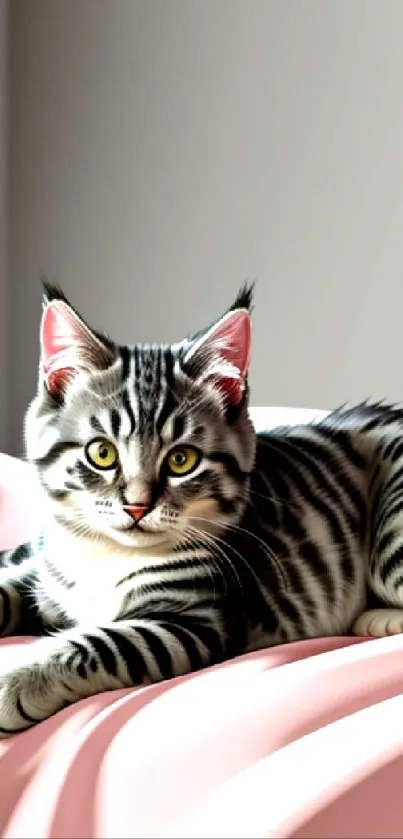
(52, 291)
(244, 299)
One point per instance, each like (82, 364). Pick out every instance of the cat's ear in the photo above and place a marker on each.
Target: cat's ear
(222, 354)
(68, 345)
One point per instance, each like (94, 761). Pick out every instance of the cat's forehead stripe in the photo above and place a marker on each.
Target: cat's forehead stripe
(148, 384)
(169, 400)
(127, 410)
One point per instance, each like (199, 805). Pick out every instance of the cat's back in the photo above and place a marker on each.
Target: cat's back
(347, 441)
(309, 504)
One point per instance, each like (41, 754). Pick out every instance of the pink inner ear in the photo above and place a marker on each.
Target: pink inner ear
(235, 333)
(232, 338)
(66, 346)
(58, 334)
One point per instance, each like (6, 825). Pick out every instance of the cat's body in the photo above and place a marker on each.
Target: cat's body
(174, 536)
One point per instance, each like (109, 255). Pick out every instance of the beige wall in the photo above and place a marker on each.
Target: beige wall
(4, 273)
(164, 150)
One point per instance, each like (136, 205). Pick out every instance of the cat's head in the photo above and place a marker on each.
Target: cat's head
(143, 444)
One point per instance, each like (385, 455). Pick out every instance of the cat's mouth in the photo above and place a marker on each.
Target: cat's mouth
(139, 534)
(134, 528)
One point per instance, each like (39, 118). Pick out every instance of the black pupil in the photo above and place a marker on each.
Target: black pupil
(103, 452)
(180, 458)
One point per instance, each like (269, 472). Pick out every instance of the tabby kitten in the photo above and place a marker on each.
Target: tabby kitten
(174, 537)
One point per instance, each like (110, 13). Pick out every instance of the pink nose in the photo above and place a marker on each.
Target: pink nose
(136, 511)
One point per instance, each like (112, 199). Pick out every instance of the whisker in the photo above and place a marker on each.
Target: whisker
(275, 499)
(189, 542)
(260, 541)
(199, 540)
(208, 543)
(218, 539)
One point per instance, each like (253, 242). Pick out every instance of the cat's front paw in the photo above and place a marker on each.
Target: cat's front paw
(40, 678)
(15, 704)
(30, 691)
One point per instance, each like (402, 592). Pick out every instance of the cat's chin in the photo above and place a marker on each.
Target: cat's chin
(140, 540)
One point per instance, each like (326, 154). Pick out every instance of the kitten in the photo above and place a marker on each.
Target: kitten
(174, 537)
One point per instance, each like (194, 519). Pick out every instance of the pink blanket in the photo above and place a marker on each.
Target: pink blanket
(305, 740)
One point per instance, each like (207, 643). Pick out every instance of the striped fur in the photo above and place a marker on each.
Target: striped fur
(273, 537)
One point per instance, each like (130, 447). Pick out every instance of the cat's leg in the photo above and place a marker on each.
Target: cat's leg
(385, 572)
(17, 576)
(56, 671)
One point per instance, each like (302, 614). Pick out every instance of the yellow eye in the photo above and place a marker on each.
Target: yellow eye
(102, 453)
(182, 460)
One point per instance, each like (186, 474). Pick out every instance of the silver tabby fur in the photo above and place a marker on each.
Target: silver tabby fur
(274, 537)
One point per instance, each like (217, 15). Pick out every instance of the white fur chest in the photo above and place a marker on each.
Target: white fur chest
(93, 591)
